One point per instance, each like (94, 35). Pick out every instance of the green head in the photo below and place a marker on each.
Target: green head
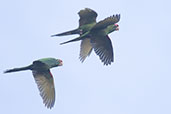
(112, 28)
(52, 62)
(57, 62)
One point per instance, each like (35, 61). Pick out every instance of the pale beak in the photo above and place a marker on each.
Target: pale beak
(61, 63)
(117, 28)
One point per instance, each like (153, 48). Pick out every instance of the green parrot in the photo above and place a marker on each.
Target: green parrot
(94, 35)
(43, 77)
(86, 22)
(99, 39)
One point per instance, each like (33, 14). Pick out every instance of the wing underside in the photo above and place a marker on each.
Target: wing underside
(103, 48)
(85, 49)
(45, 84)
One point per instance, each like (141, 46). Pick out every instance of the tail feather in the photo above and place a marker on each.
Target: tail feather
(75, 31)
(78, 38)
(73, 40)
(17, 69)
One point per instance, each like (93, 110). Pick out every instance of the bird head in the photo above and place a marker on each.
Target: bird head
(111, 28)
(116, 27)
(52, 62)
(59, 62)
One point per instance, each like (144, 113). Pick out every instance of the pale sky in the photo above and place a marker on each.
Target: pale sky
(138, 82)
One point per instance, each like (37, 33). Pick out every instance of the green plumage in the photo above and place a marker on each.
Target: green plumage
(94, 35)
(86, 22)
(40, 64)
(43, 77)
(50, 62)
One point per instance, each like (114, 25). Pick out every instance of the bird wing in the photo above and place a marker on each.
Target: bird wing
(103, 48)
(106, 22)
(85, 49)
(87, 16)
(44, 80)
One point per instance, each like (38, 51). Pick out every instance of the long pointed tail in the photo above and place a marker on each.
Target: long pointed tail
(77, 39)
(18, 69)
(75, 31)
(73, 40)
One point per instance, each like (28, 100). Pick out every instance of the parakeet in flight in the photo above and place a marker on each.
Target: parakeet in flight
(86, 22)
(96, 37)
(99, 39)
(43, 77)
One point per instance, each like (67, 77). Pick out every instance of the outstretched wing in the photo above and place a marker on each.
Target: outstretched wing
(87, 16)
(103, 48)
(85, 49)
(44, 80)
(106, 22)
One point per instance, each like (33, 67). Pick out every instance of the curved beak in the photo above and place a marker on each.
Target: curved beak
(61, 63)
(117, 28)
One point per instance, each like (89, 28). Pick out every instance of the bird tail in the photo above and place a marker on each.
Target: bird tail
(18, 69)
(73, 40)
(77, 39)
(75, 31)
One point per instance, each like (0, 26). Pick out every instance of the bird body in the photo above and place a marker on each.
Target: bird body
(86, 22)
(99, 39)
(94, 35)
(43, 77)
(86, 27)
(80, 30)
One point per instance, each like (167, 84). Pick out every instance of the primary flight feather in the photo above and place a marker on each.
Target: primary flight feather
(96, 37)
(43, 77)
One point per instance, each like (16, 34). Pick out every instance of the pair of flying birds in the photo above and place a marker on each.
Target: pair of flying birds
(93, 35)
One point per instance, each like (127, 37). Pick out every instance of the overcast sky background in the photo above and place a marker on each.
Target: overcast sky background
(138, 82)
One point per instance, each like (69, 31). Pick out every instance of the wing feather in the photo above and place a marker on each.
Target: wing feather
(85, 49)
(106, 22)
(103, 48)
(45, 85)
(87, 16)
